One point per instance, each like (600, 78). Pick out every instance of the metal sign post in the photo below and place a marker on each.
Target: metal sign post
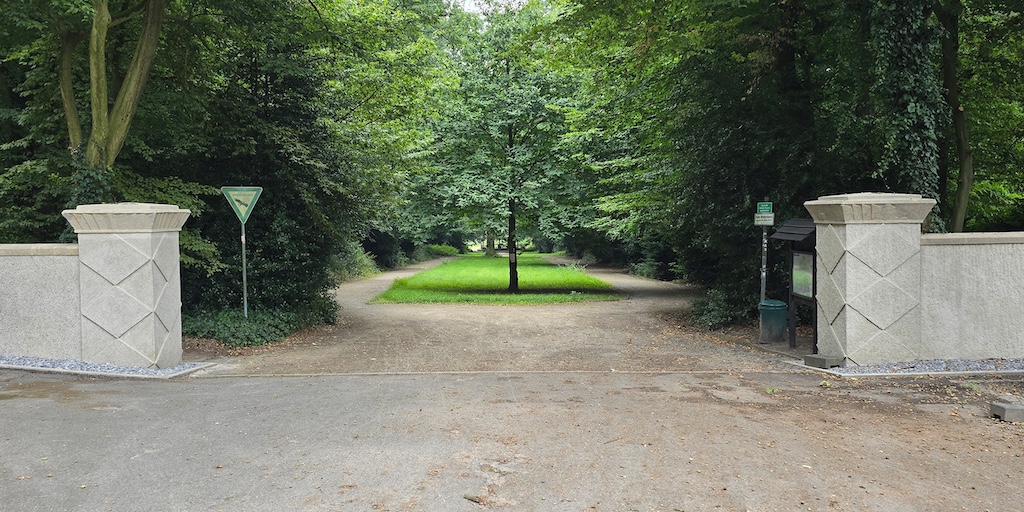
(764, 218)
(242, 200)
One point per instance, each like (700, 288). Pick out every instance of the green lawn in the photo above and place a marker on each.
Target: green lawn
(474, 279)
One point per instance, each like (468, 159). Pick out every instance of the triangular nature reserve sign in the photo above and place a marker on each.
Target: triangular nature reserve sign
(242, 200)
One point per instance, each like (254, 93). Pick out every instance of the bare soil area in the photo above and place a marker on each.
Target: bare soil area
(644, 332)
(898, 443)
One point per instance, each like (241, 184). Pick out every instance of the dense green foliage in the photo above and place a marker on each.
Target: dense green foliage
(234, 330)
(639, 132)
(321, 103)
(477, 280)
(701, 109)
(495, 164)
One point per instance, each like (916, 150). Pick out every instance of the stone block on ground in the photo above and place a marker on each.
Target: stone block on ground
(1006, 411)
(820, 361)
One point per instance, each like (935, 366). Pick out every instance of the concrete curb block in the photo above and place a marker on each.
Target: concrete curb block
(1009, 412)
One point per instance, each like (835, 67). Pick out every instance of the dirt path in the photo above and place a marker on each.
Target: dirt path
(637, 334)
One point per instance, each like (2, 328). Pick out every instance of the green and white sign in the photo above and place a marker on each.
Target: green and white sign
(242, 200)
(765, 216)
(764, 219)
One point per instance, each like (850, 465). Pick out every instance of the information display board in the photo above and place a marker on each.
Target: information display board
(803, 275)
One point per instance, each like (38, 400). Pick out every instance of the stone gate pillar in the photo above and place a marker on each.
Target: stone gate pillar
(869, 276)
(130, 284)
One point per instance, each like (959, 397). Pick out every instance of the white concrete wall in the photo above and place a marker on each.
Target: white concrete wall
(972, 296)
(115, 297)
(39, 301)
(886, 293)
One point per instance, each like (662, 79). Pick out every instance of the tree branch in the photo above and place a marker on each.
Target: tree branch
(127, 14)
(327, 27)
(353, 110)
(98, 96)
(68, 42)
(128, 97)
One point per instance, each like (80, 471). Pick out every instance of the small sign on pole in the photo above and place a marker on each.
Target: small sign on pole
(242, 201)
(764, 217)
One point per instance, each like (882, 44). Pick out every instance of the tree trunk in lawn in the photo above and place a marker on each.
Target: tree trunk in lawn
(489, 247)
(513, 263)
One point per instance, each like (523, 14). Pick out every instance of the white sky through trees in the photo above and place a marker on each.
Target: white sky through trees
(468, 5)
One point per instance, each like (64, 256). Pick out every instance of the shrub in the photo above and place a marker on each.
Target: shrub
(427, 252)
(232, 329)
(646, 268)
(720, 308)
(442, 250)
(353, 263)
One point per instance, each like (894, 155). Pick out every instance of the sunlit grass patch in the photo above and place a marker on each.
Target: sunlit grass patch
(474, 279)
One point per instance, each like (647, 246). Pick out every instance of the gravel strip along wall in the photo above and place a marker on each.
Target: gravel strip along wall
(82, 367)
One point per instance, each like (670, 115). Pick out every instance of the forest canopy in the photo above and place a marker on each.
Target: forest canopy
(638, 132)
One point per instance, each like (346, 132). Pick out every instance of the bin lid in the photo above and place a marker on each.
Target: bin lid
(772, 304)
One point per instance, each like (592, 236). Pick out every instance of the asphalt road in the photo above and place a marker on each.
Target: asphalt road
(703, 434)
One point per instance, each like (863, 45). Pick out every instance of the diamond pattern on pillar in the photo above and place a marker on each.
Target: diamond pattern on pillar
(168, 351)
(140, 284)
(858, 329)
(830, 247)
(141, 341)
(142, 242)
(908, 330)
(907, 276)
(883, 303)
(166, 255)
(115, 311)
(829, 296)
(885, 249)
(828, 340)
(859, 276)
(98, 345)
(881, 349)
(168, 305)
(112, 257)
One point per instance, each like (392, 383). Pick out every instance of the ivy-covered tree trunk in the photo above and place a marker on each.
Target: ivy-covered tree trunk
(908, 94)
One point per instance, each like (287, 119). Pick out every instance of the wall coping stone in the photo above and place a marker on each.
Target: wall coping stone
(870, 208)
(126, 218)
(1016, 237)
(38, 250)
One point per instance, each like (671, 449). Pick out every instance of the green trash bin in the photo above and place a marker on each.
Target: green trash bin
(773, 321)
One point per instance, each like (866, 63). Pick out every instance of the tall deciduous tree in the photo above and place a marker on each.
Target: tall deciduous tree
(322, 103)
(115, 81)
(496, 144)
